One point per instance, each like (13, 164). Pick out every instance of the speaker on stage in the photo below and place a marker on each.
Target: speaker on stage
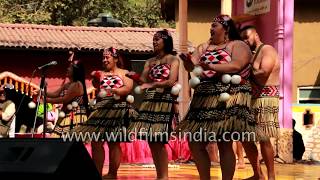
(45, 159)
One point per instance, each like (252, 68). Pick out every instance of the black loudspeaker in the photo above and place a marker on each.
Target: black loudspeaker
(45, 159)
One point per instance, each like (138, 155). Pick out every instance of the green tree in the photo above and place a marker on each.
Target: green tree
(74, 12)
(24, 11)
(136, 13)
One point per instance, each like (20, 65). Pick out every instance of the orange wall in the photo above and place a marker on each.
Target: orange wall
(306, 47)
(200, 16)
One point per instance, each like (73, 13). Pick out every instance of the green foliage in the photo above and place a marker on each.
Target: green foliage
(23, 11)
(136, 13)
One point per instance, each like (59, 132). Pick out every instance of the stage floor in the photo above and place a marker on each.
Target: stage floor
(189, 171)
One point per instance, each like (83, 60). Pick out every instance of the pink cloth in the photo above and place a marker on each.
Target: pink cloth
(139, 151)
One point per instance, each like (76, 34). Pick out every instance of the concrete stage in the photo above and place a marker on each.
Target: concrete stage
(189, 171)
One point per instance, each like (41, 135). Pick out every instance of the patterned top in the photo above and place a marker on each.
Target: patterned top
(78, 99)
(216, 56)
(160, 72)
(111, 82)
(221, 56)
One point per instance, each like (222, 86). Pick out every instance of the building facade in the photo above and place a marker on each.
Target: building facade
(274, 22)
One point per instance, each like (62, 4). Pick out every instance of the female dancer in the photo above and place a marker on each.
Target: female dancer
(156, 112)
(111, 113)
(73, 96)
(220, 107)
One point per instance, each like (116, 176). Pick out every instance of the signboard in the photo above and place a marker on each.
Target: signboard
(254, 7)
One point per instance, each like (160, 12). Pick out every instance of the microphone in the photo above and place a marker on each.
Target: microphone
(52, 63)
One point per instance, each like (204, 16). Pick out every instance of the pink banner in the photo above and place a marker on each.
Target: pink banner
(139, 152)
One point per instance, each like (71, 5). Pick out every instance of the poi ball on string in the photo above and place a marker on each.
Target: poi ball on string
(74, 104)
(175, 90)
(178, 86)
(50, 126)
(62, 114)
(235, 79)
(138, 90)
(31, 105)
(226, 78)
(197, 70)
(130, 99)
(69, 107)
(193, 82)
(224, 97)
(40, 129)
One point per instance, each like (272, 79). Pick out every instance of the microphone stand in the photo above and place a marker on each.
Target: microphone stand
(43, 86)
(43, 93)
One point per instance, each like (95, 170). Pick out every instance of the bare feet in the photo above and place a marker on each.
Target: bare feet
(109, 176)
(260, 176)
(240, 166)
(271, 178)
(255, 178)
(161, 178)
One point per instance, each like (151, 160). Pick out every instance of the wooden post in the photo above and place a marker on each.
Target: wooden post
(226, 7)
(183, 48)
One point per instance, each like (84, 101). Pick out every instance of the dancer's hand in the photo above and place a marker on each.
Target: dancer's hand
(187, 62)
(204, 66)
(96, 75)
(134, 76)
(185, 57)
(146, 86)
(35, 92)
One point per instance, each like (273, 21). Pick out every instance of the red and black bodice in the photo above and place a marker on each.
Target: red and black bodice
(160, 72)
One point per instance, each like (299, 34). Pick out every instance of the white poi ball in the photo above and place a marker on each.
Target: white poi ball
(226, 78)
(235, 79)
(69, 107)
(138, 90)
(102, 93)
(193, 82)
(130, 99)
(159, 90)
(178, 86)
(92, 102)
(50, 126)
(175, 90)
(116, 96)
(31, 105)
(197, 70)
(40, 129)
(62, 114)
(74, 104)
(224, 97)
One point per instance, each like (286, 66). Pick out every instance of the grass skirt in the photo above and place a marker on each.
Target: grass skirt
(266, 110)
(69, 122)
(212, 120)
(108, 121)
(154, 122)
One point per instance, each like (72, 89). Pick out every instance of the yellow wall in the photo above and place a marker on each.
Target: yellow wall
(306, 47)
(200, 16)
(309, 133)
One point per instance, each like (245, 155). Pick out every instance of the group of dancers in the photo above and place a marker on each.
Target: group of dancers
(235, 90)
